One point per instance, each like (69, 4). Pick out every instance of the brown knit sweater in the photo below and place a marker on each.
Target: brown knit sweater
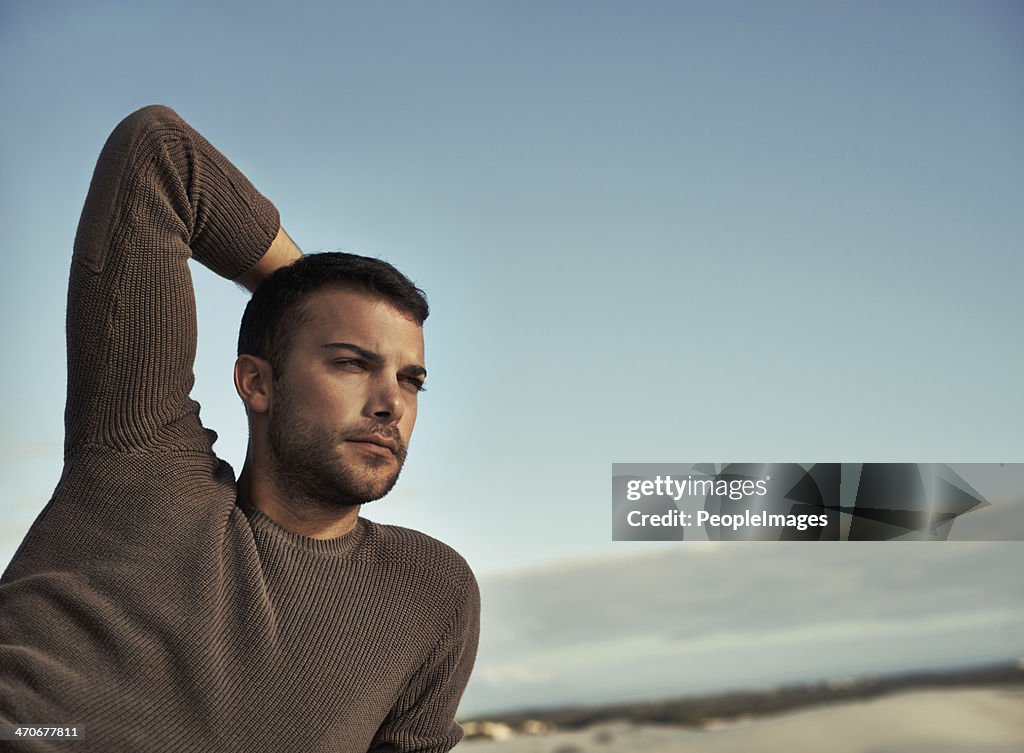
(148, 602)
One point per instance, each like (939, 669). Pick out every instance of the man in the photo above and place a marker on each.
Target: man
(157, 602)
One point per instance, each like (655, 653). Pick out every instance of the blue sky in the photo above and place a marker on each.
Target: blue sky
(650, 232)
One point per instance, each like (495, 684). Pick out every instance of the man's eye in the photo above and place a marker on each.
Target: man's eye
(351, 363)
(417, 384)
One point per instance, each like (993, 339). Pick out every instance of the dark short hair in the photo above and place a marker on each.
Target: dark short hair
(275, 311)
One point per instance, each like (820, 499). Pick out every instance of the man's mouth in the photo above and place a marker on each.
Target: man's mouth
(374, 443)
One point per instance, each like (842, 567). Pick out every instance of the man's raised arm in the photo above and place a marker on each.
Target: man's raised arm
(281, 253)
(160, 194)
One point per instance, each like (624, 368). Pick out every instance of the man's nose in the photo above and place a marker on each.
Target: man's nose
(384, 402)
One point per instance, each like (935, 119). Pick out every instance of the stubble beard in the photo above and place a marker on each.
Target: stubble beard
(306, 464)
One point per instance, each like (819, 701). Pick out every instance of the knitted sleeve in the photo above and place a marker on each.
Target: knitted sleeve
(160, 194)
(423, 718)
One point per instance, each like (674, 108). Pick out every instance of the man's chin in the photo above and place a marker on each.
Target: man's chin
(368, 474)
(367, 486)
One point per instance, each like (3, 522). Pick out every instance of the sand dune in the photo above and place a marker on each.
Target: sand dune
(985, 720)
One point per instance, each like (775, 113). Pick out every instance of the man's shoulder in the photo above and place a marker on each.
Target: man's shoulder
(416, 550)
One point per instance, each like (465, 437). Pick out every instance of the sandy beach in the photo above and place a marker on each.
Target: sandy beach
(981, 720)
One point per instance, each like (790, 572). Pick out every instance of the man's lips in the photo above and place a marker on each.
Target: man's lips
(372, 439)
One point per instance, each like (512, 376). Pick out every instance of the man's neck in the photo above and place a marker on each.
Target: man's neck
(305, 520)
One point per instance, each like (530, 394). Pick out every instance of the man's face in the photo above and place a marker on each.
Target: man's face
(344, 408)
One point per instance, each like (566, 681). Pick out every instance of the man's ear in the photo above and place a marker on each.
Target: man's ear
(254, 380)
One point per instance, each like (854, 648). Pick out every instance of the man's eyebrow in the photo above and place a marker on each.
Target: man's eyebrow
(376, 358)
(368, 355)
